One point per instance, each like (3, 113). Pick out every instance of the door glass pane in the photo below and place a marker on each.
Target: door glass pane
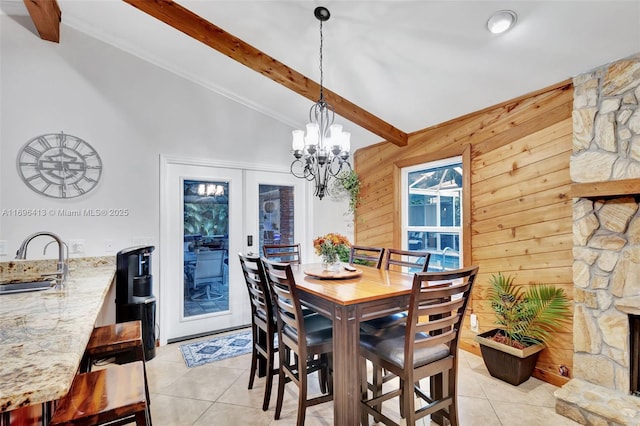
(206, 247)
(276, 215)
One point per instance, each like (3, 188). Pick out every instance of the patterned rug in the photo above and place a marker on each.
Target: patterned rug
(212, 350)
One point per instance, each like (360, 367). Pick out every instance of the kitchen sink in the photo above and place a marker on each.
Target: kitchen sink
(21, 287)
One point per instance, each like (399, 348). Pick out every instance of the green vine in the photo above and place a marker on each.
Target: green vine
(351, 184)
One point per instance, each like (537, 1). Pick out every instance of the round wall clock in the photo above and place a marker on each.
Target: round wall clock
(59, 165)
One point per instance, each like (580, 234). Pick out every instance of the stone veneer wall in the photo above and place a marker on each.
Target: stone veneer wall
(606, 237)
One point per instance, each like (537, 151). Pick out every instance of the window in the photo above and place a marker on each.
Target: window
(432, 213)
(276, 216)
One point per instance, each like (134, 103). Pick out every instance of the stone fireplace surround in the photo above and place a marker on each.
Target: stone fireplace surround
(606, 240)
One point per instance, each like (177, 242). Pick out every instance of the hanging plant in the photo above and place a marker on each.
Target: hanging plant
(351, 184)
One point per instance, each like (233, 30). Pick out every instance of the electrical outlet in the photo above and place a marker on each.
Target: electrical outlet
(142, 241)
(474, 323)
(108, 246)
(3, 247)
(76, 246)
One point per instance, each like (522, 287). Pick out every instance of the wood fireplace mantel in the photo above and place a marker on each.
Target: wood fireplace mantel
(610, 188)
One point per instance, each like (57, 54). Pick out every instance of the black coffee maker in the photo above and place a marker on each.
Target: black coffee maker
(134, 293)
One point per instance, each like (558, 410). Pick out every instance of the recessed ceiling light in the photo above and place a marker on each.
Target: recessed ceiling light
(501, 21)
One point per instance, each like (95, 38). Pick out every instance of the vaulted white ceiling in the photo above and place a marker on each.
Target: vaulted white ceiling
(413, 64)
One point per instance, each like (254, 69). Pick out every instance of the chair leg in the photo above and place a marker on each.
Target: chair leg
(140, 356)
(148, 416)
(330, 373)
(408, 402)
(269, 382)
(302, 397)
(85, 364)
(377, 389)
(142, 418)
(437, 385)
(323, 374)
(284, 358)
(453, 393)
(254, 356)
(364, 391)
(402, 401)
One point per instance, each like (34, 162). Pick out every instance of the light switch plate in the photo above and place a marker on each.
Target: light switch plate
(3, 247)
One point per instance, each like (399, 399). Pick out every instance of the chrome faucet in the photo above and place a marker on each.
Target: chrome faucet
(63, 270)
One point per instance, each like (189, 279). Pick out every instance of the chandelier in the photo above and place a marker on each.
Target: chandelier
(322, 154)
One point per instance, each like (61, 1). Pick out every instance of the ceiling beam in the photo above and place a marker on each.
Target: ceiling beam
(215, 37)
(45, 15)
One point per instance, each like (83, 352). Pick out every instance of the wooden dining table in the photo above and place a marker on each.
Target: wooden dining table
(347, 301)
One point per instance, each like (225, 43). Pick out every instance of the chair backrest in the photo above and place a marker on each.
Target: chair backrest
(440, 297)
(367, 256)
(290, 319)
(258, 287)
(284, 253)
(413, 260)
(209, 264)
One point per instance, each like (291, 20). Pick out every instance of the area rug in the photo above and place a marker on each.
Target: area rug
(206, 351)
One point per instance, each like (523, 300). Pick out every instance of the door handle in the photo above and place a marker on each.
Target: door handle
(250, 240)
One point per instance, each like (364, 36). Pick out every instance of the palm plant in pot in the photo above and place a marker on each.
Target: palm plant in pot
(526, 320)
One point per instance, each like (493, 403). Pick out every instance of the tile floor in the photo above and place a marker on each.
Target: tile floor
(217, 394)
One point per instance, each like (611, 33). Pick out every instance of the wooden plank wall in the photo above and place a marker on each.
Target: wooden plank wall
(517, 169)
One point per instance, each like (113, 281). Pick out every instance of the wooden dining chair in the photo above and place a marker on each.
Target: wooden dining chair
(284, 253)
(409, 261)
(305, 342)
(426, 345)
(366, 256)
(263, 322)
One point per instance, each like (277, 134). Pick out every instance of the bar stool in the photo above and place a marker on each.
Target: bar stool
(123, 338)
(114, 395)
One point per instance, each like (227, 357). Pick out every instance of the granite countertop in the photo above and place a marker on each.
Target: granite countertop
(43, 334)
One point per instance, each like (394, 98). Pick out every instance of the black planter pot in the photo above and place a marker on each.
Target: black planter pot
(506, 363)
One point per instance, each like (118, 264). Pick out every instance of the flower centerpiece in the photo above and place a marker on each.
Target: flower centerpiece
(333, 248)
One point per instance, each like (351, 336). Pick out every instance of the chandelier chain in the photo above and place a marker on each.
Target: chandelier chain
(321, 70)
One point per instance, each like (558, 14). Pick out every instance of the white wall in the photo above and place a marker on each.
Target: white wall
(130, 111)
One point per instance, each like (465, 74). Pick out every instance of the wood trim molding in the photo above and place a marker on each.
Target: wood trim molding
(215, 37)
(606, 189)
(466, 208)
(397, 206)
(46, 16)
(432, 156)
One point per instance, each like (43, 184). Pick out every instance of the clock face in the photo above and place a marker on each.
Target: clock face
(59, 165)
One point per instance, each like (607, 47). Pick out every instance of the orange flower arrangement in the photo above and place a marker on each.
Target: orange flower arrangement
(332, 246)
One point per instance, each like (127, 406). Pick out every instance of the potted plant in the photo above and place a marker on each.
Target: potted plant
(333, 248)
(526, 320)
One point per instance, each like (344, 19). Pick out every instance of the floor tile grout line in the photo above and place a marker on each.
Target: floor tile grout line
(478, 386)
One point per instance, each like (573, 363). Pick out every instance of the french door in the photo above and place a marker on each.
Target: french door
(209, 213)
